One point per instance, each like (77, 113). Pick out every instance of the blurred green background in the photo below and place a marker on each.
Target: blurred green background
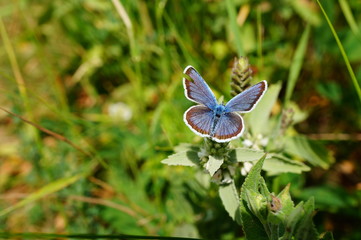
(107, 75)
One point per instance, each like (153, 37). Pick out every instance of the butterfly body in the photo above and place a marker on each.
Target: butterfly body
(218, 112)
(217, 121)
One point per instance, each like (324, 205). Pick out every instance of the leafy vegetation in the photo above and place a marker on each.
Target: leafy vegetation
(92, 110)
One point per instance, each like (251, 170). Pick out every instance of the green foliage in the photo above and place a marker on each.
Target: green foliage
(250, 219)
(259, 117)
(312, 151)
(279, 164)
(46, 190)
(297, 63)
(105, 78)
(230, 199)
(187, 155)
(349, 68)
(245, 154)
(265, 216)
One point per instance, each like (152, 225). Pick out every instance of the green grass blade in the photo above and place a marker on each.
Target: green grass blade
(345, 58)
(305, 11)
(134, 52)
(20, 81)
(259, 38)
(42, 192)
(179, 38)
(297, 62)
(345, 7)
(14, 65)
(234, 28)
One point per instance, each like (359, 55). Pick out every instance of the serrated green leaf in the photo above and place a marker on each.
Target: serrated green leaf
(44, 191)
(275, 218)
(312, 151)
(257, 203)
(274, 230)
(275, 224)
(252, 180)
(279, 164)
(186, 147)
(292, 220)
(258, 118)
(285, 198)
(252, 227)
(213, 165)
(263, 187)
(229, 196)
(274, 221)
(185, 158)
(305, 228)
(245, 154)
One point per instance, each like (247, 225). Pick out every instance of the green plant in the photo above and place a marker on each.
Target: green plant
(262, 215)
(103, 78)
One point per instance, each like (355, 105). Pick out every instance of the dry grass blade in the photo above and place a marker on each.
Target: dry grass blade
(49, 132)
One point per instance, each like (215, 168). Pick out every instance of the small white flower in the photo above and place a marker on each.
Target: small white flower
(120, 111)
(246, 168)
(227, 179)
(264, 141)
(247, 143)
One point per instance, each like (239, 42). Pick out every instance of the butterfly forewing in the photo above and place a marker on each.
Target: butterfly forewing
(199, 119)
(248, 99)
(197, 90)
(229, 126)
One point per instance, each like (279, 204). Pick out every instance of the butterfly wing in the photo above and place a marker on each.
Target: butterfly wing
(197, 90)
(248, 99)
(199, 119)
(229, 126)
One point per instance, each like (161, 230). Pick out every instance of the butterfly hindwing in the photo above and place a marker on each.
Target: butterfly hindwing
(197, 90)
(248, 99)
(229, 126)
(199, 119)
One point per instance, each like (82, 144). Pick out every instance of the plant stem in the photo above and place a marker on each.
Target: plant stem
(345, 58)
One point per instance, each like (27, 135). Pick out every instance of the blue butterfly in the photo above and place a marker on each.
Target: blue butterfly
(217, 121)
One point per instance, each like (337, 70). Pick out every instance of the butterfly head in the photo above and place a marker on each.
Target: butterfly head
(219, 110)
